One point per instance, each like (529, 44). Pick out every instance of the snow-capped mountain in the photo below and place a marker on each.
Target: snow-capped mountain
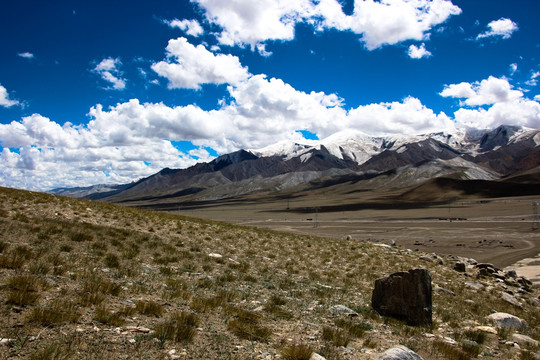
(389, 161)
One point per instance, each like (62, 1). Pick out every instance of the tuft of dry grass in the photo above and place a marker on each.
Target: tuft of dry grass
(336, 337)
(297, 352)
(149, 308)
(108, 317)
(54, 351)
(23, 290)
(54, 313)
(180, 327)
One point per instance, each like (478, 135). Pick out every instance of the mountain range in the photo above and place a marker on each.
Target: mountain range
(500, 162)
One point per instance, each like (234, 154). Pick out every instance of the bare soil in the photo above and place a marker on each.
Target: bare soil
(493, 231)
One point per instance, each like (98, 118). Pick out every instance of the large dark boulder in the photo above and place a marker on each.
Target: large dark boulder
(405, 296)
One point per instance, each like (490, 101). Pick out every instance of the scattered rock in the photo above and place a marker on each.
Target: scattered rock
(316, 356)
(507, 321)
(400, 353)
(6, 341)
(138, 329)
(443, 290)
(460, 267)
(426, 258)
(342, 309)
(511, 273)
(486, 329)
(448, 340)
(475, 285)
(349, 237)
(525, 340)
(405, 295)
(511, 300)
(215, 255)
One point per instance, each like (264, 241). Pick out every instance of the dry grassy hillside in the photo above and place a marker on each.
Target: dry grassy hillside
(88, 280)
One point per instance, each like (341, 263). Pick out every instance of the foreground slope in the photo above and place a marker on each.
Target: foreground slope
(88, 280)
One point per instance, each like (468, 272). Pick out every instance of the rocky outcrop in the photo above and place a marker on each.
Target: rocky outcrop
(406, 296)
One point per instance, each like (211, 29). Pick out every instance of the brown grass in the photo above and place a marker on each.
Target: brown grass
(126, 290)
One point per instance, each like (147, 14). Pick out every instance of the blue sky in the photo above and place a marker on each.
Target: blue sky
(110, 91)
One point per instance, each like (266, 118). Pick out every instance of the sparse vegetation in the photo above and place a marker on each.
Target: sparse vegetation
(137, 283)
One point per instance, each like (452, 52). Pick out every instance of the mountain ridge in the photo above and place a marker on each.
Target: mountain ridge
(392, 162)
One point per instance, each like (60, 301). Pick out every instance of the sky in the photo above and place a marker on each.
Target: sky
(96, 92)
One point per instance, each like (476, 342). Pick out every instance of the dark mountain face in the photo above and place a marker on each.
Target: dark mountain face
(503, 151)
(410, 154)
(498, 137)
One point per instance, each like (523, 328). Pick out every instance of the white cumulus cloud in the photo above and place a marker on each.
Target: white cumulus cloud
(384, 22)
(190, 27)
(26, 55)
(506, 105)
(109, 71)
(5, 101)
(503, 28)
(416, 52)
(188, 66)
(486, 92)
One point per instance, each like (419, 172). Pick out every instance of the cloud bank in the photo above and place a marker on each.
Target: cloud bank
(378, 23)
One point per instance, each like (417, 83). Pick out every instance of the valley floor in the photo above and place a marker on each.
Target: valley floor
(501, 232)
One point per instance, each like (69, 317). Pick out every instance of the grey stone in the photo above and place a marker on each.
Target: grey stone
(316, 356)
(443, 291)
(400, 353)
(524, 340)
(511, 300)
(475, 285)
(507, 321)
(342, 309)
(406, 296)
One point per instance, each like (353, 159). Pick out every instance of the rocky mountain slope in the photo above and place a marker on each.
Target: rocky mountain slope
(389, 162)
